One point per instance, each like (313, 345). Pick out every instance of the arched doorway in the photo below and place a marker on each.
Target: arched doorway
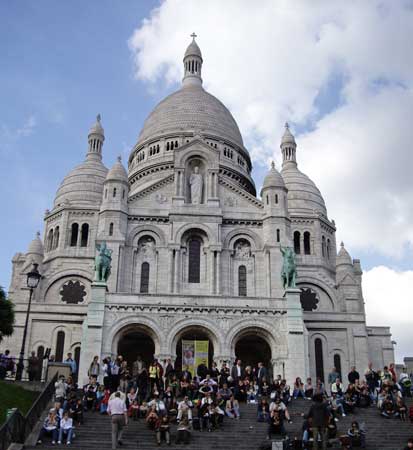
(136, 342)
(193, 334)
(252, 349)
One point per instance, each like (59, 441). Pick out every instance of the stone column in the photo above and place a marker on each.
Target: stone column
(171, 265)
(211, 271)
(177, 271)
(295, 365)
(218, 269)
(92, 330)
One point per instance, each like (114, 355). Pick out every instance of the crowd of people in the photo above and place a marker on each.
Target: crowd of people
(161, 396)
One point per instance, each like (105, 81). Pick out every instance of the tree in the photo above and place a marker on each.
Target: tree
(6, 315)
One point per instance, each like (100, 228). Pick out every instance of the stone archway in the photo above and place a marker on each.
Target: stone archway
(252, 349)
(135, 340)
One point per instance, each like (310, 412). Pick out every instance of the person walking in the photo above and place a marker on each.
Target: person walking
(119, 416)
(319, 414)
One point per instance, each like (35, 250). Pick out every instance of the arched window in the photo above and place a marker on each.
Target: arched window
(267, 200)
(278, 235)
(337, 364)
(40, 351)
(50, 240)
(114, 192)
(144, 288)
(84, 235)
(56, 237)
(73, 235)
(194, 260)
(123, 194)
(276, 199)
(323, 246)
(242, 281)
(319, 363)
(328, 249)
(60, 346)
(106, 193)
(111, 229)
(297, 242)
(307, 247)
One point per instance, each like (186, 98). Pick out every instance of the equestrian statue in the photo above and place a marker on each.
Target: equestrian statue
(103, 262)
(289, 269)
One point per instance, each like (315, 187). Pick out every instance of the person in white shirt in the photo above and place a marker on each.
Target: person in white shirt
(159, 405)
(66, 428)
(185, 408)
(208, 381)
(119, 415)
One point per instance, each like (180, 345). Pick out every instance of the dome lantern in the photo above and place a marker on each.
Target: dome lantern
(95, 140)
(288, 147)
(192, 64)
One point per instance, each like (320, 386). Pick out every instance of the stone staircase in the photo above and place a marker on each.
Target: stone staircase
(243, 434)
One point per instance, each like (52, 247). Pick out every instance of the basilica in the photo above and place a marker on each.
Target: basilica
(196, 253)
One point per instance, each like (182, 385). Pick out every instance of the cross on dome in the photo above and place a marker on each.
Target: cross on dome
(193, 36)
(272, 165)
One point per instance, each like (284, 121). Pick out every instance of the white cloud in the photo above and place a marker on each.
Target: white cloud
(269, 62)
(389, 301)
(27, 128)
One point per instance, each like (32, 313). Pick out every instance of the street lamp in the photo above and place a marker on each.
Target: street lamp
(33, 278)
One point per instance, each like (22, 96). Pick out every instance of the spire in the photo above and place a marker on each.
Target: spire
(288, 147)
(95, 139)
(192, 64)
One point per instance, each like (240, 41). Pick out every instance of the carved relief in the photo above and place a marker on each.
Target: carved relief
(242, 249)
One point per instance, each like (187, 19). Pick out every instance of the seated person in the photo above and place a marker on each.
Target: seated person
(349, 403)
(337, 405)
(263, 410)
(104, 401)
(225, 392)
(183, 434)
(170, 401)
(131, 396)
(208, 416)
(162, 430)
(232, 408)
(285, 392)
(298, 389)
(307, 431)
(50, 427)
(159, 405)
(152, 418)
(357, 435)
(208, 381)
(89, 398)
(66, 428)
(240, 391)
(387, 407)
(278, 405)
(252, 392)
(364, 397)
(337, 388)
(185, 409)
(276, 425)
(133, 410)
(264, 389)
(75, 409)
(144, 408)
(308, 389)
(401, 409)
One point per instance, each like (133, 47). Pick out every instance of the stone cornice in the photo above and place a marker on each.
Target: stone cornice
(154, 187)
(240, 192)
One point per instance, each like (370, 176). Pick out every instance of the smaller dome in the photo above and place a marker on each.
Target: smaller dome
(273, 179)
(193, 48)
(343, 257)
(36, 246)
(97, 128)
(288, 137)
(117, 172)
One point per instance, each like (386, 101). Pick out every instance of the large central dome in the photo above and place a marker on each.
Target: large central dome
(191, 109)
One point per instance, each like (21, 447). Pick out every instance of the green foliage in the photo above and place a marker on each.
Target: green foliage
(12, 396)
(6, 315)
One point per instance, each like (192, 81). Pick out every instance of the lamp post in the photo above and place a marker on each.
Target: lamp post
(33, 278)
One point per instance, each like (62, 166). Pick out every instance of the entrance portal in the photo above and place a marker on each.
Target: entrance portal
(193, 336)
(134, 343)
(252, 349)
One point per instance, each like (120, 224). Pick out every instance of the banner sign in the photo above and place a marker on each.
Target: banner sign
(193, 354)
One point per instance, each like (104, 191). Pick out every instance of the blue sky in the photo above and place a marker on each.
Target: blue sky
(328, 69)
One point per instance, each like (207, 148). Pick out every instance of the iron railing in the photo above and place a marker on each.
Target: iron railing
(10, 373)
(17, 427)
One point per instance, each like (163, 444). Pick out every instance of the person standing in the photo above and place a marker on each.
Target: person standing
(319, 413)
(94, 368)
(73, 366)
(237, 372)
(261, 373)
(119, 416)
(332, 377)
(353, 375)
(33, 368)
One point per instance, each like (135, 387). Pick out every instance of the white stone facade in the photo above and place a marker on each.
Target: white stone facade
(211, 267)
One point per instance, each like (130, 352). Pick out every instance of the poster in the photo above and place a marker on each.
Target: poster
(188, 355)
(194, 353)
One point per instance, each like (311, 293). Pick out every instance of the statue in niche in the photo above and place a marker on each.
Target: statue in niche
(242, 249)
(196, 182)
(147, 246)
(289, 269)
(103, 262)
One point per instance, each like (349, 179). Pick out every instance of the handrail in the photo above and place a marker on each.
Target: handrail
(17, 427)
